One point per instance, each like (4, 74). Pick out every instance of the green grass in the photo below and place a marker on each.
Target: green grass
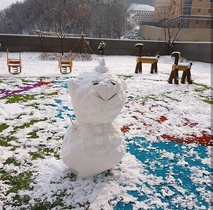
(173, 99)
(124, 77)
(32, 135)
(208, 101)
(22, 182)
(3, 127)
(17, 181)
(11, 161)
(26, 125)
(42, 152)
(19, 98)
(19, 201)
(36, 155)
(152, 97)
(202, 87)
(4, 140)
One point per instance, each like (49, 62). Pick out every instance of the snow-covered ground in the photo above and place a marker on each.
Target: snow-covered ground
(167, 129)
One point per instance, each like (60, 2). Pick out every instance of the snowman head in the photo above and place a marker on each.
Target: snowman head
(97, 96)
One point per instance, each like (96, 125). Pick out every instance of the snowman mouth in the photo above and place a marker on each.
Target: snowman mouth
(99, 96)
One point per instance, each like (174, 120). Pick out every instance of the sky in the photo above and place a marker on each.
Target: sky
(5, 3)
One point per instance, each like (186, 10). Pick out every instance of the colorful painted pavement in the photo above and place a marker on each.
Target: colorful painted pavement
(179, 166)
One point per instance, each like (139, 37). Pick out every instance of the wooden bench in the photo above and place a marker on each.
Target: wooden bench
(65, 65)
(14, 65)
(176, 67)
(152, 60)
(145, 59)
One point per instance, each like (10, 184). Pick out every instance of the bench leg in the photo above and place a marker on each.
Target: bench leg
(188, 75)
(171, 77)
(176, 76)
(138, 68)
(183, 78)
(152, 68)
(156, 67)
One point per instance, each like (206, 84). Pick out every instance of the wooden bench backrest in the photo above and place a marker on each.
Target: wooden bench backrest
(65, 62)
(11, 62)
(147, 59)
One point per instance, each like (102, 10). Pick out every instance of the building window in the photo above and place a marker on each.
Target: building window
(207, 22)
(185, 23)
(188, 2)
(187, 7)
(198, 10)
(197, 22)
(200, 0)
(211, 0)
(210, 11)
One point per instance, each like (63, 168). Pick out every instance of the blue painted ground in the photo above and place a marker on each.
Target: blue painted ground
(152, 156)
(165, 166)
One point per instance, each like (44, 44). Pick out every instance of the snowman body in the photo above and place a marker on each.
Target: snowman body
(94, 143)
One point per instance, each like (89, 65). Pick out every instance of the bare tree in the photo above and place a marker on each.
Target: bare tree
(172, 20)
(60, 15)
(34, 16)
(97, 21)
(12, 18)
(97, 18)
(109, 18)
(82, 16)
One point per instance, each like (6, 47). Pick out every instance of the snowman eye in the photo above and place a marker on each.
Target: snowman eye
(95, 83)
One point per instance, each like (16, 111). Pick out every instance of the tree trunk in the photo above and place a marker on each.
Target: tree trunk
(62, 47)
(170, 47)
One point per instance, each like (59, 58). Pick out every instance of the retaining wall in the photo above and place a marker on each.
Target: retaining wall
(195, 51)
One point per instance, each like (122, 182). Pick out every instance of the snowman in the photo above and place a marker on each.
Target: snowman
(94, 143)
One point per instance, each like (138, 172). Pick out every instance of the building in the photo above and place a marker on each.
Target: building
(180, 20)
(185, 13)
(197, 13)
(141, 13)
(161, 9)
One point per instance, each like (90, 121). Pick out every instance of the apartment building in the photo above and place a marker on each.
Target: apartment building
(201, 14)
(185, 13)
(161, 9)
(182, 20)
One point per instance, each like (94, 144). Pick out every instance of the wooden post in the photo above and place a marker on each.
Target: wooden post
(138, 68)
(174, 72)
(187, 75)
(183, 78)
(154, 67)
(176, 55)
